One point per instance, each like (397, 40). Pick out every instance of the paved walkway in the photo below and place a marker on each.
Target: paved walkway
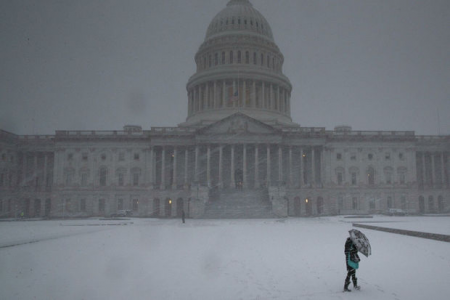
(425, 235)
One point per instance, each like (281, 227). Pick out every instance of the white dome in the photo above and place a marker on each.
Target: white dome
(239, 16)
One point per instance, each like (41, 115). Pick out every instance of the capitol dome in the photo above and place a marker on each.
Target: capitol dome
(239, 17)
(239, 69)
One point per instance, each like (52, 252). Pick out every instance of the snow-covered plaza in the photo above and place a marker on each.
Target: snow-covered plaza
(218, 259)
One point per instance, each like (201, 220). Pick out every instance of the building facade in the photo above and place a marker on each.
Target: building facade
(238, 154)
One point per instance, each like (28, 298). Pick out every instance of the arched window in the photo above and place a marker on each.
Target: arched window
(254, 58)
(247, 57)
(371, 176)
(103, 174)
(239, 57)
(231, 56)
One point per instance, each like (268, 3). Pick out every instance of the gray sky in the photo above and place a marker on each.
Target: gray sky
(101, 64)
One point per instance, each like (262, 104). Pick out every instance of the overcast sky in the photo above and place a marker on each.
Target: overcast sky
(101, 64)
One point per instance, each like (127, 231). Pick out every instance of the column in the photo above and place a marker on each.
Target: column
(35, 173)
(196, 165)
(271, 100)
(256, 168)
(290, 167)
(313, 167)
(220, 165)
(424, 171)
(280, 164)
(253, 96)
(244, 94)
(152, 167)
(186, 159)
(224, 93)
(263, 98)
(208, 166)
(207, 96)
(433, 175)
(163, 168)
(174, 179)
(215, 95)
(302, 165)
(268, 166)
(278, 99)
(233, 181)
(244, 160)
(24, 168)
(45, 170)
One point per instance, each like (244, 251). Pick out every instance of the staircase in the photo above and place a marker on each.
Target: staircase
(239, 204)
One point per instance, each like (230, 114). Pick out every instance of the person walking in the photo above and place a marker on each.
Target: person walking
(352, 261)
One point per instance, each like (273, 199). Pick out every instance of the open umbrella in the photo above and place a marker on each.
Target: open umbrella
(361, 242)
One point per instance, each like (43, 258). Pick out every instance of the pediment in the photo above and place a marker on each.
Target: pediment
(238, 124)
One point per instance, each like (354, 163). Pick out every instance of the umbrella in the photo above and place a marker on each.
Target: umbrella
(361, 242)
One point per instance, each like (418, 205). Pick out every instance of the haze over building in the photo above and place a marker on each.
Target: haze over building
(237, 154)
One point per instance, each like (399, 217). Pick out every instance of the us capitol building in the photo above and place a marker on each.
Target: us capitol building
(238, 154)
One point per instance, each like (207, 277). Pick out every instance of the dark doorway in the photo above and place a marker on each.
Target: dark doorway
(156, 207)
(308, 207)
(48, 207)
(168, 208)
(180, 207)
(297, 207)
(421, 205)
(37, 208)
(319, 205)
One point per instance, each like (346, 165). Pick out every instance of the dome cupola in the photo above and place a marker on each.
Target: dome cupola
(239, 69)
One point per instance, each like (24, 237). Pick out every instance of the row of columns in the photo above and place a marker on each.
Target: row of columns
(25, 180)
(436, 158)
(202, 98)
(244, 166)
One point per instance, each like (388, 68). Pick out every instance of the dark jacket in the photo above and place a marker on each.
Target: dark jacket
(350, 252)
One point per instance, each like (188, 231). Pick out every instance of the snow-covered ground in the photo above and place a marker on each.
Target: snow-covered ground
(218, 259)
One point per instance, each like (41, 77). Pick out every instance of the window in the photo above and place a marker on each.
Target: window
(370, 156)
(402, 177)
(403, 202)
(339, 156)
(84, 178)
(209, 61)
(101, 205)
(371, 176)
(120, 179)
(388, 177)
(239, 57)
(136, 156)
(216, 59)
(68, 177)
(254, 58)
(136, 179)
(70, 156)
(262, 59)
(355, 202)
(121, 156)
(103, 156)
(340, 178)
(247, 57)
(401, 156)
(354, 180)
(223, 58)
(431, 203)
(231, 57)
(84, 156)
(120, 204)
(353, 156)
(135, 204)
(389, 202)
(387, 156)
(103, 173)
(82, 205)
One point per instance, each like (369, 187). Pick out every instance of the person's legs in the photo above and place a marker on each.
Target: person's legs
(350, 273)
